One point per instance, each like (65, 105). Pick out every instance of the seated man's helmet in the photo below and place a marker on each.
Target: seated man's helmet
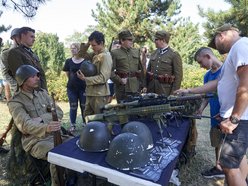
(95, 137)
(142, 131)
(24, 72)
(88, 68)
(14, 32)
(126, 152)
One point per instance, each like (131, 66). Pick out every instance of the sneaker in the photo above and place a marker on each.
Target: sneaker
(213, 173)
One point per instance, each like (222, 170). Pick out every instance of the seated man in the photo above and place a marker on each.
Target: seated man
(31, 111)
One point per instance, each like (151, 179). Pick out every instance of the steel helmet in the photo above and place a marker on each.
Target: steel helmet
(141, 130)
(88, 68)
(95, 137)
(14, 32)
(24, 72)
(126, 152)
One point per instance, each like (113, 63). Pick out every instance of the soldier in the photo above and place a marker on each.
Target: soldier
(15, 37)
(97, 89)
(164, 72)
(127, 72)
(23, 54)
(29, 109)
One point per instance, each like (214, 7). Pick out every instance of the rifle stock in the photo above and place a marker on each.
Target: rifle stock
(3, 137)
(57, 141)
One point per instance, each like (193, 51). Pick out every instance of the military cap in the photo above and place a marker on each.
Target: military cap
(162, 35)
(124, 34)
(218, 30)
(14, 32)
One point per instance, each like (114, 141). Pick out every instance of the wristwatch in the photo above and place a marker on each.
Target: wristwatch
(234, 120)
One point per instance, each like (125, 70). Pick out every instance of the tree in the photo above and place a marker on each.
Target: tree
(26, 7)
(50, 51)
(142, 17)
(236, 15)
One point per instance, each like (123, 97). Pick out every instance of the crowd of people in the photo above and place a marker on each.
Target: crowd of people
(126, 69)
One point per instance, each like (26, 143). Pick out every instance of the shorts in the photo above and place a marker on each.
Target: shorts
(235, 146)
(215, 136)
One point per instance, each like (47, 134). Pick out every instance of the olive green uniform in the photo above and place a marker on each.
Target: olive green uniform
(164, 72)
(22, 55)
(24, 107)
(97, 89)
(127, 64)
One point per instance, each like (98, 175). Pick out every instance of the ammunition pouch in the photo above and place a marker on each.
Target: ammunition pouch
(169, 79)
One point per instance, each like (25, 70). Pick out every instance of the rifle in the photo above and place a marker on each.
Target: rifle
(110, 46)
(3, 138)
(57, 141)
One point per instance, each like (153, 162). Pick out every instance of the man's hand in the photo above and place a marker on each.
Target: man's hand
(80, 75)
(227, 126)
(144, 90)
(182, 91)
(124, 81)
(53, 126)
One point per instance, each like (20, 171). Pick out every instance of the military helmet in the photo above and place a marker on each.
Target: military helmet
(126, 152)
(24, 72)
(141, 130)
(14, 32)
(88, 68)
(95, 137)
(124, 34)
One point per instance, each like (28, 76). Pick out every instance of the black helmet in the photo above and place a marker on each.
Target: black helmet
(14, 32)
(141, 130)
(95, 137)
(126, 152)
(24, 72)
(88, 68)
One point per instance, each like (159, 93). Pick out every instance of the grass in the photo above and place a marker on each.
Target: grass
(190, 174)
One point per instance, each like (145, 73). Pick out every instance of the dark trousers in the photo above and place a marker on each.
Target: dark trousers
(74, 96)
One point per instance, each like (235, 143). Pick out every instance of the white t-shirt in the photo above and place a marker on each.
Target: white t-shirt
(229, 80)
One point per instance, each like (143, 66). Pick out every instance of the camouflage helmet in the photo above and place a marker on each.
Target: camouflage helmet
(95, 137)
(141, 130)
(126, 152)
(88, 68)
(24, 72)
(14, 32)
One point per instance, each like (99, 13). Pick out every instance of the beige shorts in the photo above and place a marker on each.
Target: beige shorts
(215, 136)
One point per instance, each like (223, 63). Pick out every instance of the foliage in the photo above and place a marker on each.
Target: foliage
(192, 76)
(50, 51)
(57, 85)
(142, 17)
(27, 7)
(236, 15)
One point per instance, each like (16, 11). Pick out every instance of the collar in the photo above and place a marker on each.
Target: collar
(30, 95)
(163, 50)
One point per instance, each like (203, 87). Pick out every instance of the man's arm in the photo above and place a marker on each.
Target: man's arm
(209, 87)
(177, 71)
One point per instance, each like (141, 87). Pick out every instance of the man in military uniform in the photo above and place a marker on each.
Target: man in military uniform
(29, 109)
(24, 55)
(97, 89)
(15, 37)
(164, 72)
(127, 72)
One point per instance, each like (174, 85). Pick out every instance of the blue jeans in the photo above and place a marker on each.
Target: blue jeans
(74, 96)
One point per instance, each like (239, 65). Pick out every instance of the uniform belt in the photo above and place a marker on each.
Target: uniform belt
(128, 74)
(169, 79)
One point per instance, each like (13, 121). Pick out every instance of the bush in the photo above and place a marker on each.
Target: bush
(57, 84)
(192, 76)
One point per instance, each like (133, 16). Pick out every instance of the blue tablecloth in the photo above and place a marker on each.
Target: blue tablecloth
(177, 128)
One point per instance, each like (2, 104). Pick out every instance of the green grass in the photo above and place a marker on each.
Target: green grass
(190, 174)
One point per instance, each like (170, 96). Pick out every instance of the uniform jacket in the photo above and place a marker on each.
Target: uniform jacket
(24, 107)
(169, 63)
(127, 61)
(98, 85)
(22, 55)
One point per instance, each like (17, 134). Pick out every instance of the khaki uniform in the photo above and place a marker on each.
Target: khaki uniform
(22, 55)
(24, 107)
(127, 64)
(5, 70)
(97, 89)
(164, 72)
